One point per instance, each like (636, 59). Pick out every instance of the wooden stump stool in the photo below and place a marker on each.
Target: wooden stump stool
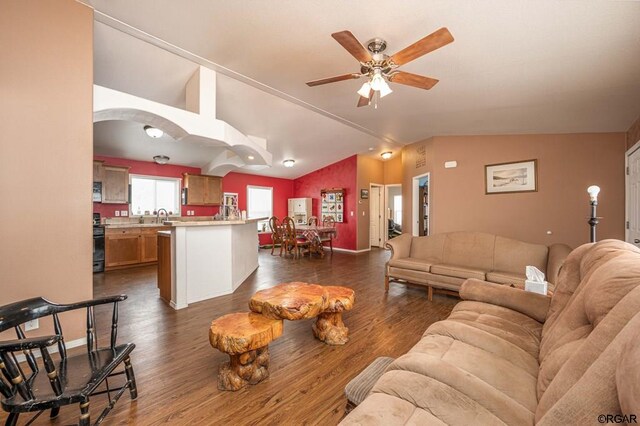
(290, 301)
(329, 327)
(245, 337)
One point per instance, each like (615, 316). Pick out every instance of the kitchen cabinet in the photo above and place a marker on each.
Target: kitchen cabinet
(130, 246)
(115, 185)
(164, 265)
(202, 190)
(98, 171)
(122, 248)
(148, 245)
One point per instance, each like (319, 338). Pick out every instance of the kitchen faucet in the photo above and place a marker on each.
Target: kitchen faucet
(166, 214)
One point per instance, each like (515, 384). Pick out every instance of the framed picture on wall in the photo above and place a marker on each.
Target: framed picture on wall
(364, 194)
(506, 178)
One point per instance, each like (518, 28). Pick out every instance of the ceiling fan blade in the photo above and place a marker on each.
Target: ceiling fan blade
(342, 77)
(365, 101)
(423, 46)
(413, 80)
(353, 46)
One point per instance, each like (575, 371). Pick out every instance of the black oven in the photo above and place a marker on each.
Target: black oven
(98, 244)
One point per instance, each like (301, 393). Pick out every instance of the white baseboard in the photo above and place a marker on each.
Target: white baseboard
(348, 250)
(54, 348)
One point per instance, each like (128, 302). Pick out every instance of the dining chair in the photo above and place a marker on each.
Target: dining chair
(291, 241)
(313, 221)
(276, 233)
(328, 222)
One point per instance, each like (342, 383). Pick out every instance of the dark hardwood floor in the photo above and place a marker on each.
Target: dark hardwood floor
(176, 368)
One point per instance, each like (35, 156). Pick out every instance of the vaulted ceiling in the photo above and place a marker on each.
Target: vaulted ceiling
(516, 66)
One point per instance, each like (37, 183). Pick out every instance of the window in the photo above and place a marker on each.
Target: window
(260, 204)
(397, 209)
(150, 193)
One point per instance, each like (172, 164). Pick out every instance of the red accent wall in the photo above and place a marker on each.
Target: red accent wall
(342, 174)
(232, 182)
(282, 191)
(150, 169)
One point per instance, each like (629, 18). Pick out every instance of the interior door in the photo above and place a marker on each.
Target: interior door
(375, 215)
(633, 198)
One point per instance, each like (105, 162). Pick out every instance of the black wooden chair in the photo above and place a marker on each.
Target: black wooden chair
(72, 379)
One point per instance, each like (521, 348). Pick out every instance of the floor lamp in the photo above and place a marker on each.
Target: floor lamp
(593, 191)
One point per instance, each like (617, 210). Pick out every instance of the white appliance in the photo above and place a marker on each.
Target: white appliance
(299, 209)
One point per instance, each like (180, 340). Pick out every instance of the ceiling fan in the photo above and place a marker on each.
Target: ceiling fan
(379, 67)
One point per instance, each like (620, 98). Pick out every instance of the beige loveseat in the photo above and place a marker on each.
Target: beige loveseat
(505, 356)
(445, 261)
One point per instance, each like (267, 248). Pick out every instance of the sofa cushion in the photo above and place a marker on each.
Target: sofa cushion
(451, 394)
(507, 278)
(430, 247)
(413, 263)
(504, 323)
(457, 271)
(514, 256)
(471, 249)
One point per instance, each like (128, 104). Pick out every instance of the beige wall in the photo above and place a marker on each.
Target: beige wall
(567, 165)
(393, 170)
(370, 171)
(46, 82)
(633, 134)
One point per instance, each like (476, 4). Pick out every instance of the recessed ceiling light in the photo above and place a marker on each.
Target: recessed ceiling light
(386, 155)
(161, 159)
(370, 148)
(153, 132)
(250, 157)
(289, 163)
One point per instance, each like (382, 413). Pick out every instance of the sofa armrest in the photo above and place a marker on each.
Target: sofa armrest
(557, 254)
(400, 246)
(530, 304)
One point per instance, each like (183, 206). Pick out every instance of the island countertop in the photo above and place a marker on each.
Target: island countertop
(177, 223)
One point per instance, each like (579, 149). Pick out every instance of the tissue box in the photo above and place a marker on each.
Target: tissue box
(536, 287)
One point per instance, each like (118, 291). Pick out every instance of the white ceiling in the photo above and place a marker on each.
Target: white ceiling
(516, 66)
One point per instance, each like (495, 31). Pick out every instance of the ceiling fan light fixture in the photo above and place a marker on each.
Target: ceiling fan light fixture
(365, 89)
(385, 89)
(161, 159)
(153, 132)
(289, 163)
(386, 155)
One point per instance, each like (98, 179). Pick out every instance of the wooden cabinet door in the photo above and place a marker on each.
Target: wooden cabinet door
(164, 266)
(115, 185)
(149, 245)
(122, 249)
(213, 191)
(195, 189)
(98, 171)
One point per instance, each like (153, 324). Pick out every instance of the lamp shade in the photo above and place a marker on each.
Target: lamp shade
(364, 90)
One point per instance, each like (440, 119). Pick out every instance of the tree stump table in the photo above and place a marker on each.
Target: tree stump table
(291, 301)
(245, 337)
(329, 327)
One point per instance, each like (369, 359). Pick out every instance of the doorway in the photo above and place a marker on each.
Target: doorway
(421, 201)
(393, 210)
(376, 228)
(632, 184)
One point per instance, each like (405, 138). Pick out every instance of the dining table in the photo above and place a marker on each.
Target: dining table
(315, 235)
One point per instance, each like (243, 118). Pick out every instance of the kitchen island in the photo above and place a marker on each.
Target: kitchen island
(208, 258)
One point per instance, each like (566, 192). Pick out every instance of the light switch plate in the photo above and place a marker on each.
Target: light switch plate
(31, 325)
(117, 213)
(124, 213)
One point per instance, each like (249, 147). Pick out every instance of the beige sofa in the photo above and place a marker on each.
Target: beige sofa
(505, 356)
(445, 261)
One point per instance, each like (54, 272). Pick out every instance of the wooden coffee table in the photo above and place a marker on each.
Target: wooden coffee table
(298, 300)
(329, 326)
(245, 337)
(291, 301)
